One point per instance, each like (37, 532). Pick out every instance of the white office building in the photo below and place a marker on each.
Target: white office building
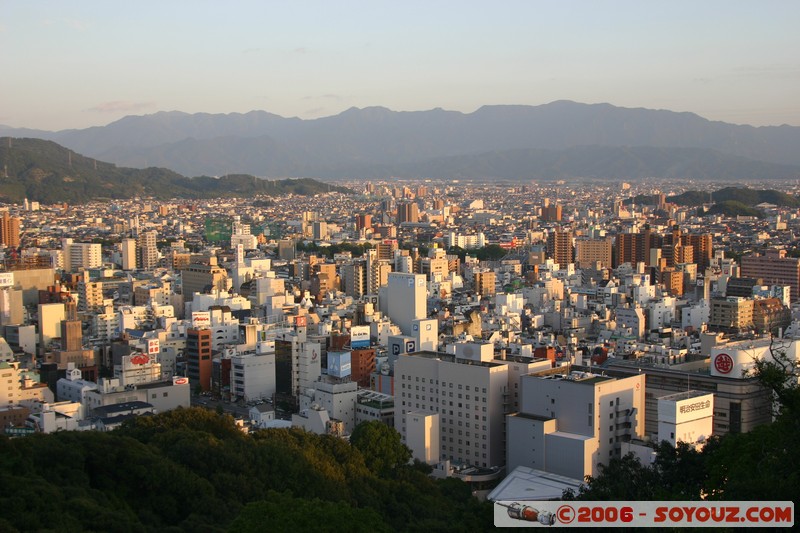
(468, 393)
(253, 375)
(336, 396)
(569, 422)
(407, 297)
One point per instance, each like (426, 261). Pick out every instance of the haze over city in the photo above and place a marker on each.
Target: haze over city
(79, 64)
(372, 266)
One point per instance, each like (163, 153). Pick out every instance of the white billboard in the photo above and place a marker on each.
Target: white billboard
(201, 319)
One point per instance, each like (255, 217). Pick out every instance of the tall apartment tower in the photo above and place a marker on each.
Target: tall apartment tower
(633, 248)
(71, 335)
(407, 212)
(128, 251)
(363, 221)
(590, 251)
(559, 247)
(9, 230)
(407, 297)
(286, 249)
(485, 281)
(551, 213)
(85, 255)
(198, 358)
(147, 250)
(355, 278)
(386, 248)
(775, 268)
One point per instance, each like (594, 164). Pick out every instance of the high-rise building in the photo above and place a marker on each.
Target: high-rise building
(128, 252)
(200, 277)
(569, 422)
(71, 335)
(672, 280)
(467, 393)
(147, 250)
(559, 247)
(50, 317)
(363, 221)
(386, 249)
(11, 309)
(84, 255)
(90, 296)
(407, 297)
(588, 252)
(379, 271)
(551, 213)
(702, 248)
(633, 248)
(407, 212)
(9, 230)
(286, 249)
(355, 278)
(198, 358)
(775, 268)
(320, 230)
(485, 282)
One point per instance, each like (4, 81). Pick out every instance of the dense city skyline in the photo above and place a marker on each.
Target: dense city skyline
(84, 64)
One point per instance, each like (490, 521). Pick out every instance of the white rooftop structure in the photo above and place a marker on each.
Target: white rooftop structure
(525, 483)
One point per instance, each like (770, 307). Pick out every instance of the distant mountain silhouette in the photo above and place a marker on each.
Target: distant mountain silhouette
(358, 141)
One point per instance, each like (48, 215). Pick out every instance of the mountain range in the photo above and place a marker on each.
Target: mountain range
(562, 139)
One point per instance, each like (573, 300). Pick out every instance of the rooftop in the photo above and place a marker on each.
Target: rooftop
(685, 395)
(450, 358)
(525, 483)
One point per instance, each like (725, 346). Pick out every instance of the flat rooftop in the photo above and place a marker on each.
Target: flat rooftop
(524, 484)
(685, 395)
(584, 378)
(450, 358)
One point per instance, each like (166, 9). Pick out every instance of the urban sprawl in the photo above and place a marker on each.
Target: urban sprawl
(506, 331)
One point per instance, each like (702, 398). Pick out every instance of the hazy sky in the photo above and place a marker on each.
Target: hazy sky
(73, 64)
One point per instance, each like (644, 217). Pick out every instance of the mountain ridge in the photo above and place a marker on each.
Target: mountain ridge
(378, 136)
(44, 171)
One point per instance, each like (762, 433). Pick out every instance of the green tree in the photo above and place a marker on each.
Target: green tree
(283, 512)
(381, 446)
(491, 252)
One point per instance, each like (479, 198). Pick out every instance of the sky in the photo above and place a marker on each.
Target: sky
(81, 63)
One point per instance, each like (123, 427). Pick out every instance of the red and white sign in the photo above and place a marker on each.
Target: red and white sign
(180, 381)
(723, 363)
(300, 321)
(140, 359)
(153, 346)
(201, 319)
